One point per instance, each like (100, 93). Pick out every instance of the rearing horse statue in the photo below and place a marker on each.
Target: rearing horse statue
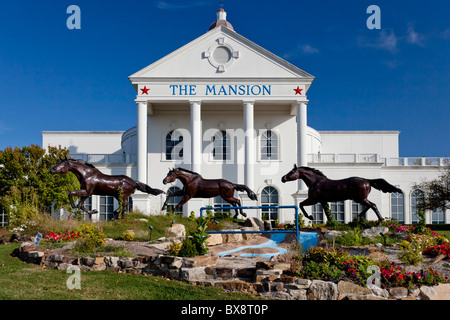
(197, 187)
(92, 181)
(323, 190)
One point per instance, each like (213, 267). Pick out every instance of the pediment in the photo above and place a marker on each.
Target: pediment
(221, 54)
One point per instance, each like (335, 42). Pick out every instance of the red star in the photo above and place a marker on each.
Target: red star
(145, 90)
(298, 90)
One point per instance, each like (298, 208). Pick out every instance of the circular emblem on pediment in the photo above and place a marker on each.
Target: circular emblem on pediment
(221, 55)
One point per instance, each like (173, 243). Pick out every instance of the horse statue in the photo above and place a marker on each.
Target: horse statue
(323, 190)
(92, 181)
(197, 187)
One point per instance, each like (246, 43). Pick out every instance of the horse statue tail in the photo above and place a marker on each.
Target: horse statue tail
(242, 188)
(147, 189)
(384, 186)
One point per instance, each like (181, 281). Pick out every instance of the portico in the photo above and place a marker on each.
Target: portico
(211, 104)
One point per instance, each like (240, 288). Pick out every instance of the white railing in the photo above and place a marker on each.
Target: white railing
(105, 158)
(375, 158)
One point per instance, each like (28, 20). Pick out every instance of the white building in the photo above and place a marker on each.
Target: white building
(227, 108)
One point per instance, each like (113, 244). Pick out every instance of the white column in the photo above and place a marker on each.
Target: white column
(302, 141)
(142, 141)
(196, 136)
(249, 127)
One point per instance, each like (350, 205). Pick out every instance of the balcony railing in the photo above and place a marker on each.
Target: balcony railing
(375, 158)
(106, 158)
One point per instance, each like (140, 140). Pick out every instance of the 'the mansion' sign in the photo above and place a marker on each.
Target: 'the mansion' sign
(223, 90)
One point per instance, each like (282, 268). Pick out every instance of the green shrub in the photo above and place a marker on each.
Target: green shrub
(188, 249)
(91, 237)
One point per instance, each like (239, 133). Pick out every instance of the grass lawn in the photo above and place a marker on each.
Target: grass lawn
(445, 233)
(22, 281)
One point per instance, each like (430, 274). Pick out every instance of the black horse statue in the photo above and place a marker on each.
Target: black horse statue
(197, 187)
(323, 190)
(92, 181)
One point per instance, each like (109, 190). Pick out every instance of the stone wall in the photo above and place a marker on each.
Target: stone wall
(272, 280)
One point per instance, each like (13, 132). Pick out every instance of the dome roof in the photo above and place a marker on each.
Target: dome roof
(221, 20)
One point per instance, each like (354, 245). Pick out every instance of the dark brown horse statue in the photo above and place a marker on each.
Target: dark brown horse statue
(322, 190)
(92, 181)
(197, 187)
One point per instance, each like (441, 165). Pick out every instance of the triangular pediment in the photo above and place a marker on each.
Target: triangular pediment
(221, 54)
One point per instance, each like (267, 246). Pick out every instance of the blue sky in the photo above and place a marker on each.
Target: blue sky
(395, 78)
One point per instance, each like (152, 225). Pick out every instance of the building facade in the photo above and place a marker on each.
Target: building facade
(224, 107)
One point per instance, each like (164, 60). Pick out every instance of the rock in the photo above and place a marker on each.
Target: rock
(192, 274)
(87, 261)
(254, 223)
(383, 293)
(414, 292)
(99, 260)
(111, 261)
(200, 261)
(333, 234)
(214, 239)
(232, 237)
(442, 291)
(224, 273)
(401, 235)
(428, 293)
(374, 232)
(398, 292)
(346, 288)
(298, 294)
(177, 230)
(322, 290)
(249, 236)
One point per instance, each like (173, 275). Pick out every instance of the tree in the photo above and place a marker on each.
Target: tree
(436, 192)
(26, 186)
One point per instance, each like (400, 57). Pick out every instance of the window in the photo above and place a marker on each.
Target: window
(218, 202)
(357, 208)
(397, 207)
(338, 210)
(269, 197)
(174, 146)
(3, 217)
(88, 207)
(106, 208)
(173, 201)
(221, 146)
(437, 215)
(317, 213)
(269, 145)
(417, 197)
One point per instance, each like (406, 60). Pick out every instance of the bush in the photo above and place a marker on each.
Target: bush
(335, 265)
(188, 249)
(127, 236)
(91, 238)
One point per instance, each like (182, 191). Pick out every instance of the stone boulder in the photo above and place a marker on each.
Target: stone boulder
(374, 232)
(177, 230)
(322, 290)
(254, 223)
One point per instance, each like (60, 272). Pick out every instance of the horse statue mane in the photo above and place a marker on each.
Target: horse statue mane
(186, 170)
(318, 172)
(83, 162)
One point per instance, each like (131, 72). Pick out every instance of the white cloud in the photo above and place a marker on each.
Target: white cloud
(386, 40)
(300, 50)
(413, 37)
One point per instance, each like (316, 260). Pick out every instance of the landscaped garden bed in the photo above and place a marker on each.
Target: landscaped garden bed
(400, 263)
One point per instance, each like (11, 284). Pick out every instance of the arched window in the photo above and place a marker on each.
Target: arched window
(174, 146)
(173, 201)
(221, 146)
(397, 207)
(269, 197)
(269, 145)
(417, 198)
